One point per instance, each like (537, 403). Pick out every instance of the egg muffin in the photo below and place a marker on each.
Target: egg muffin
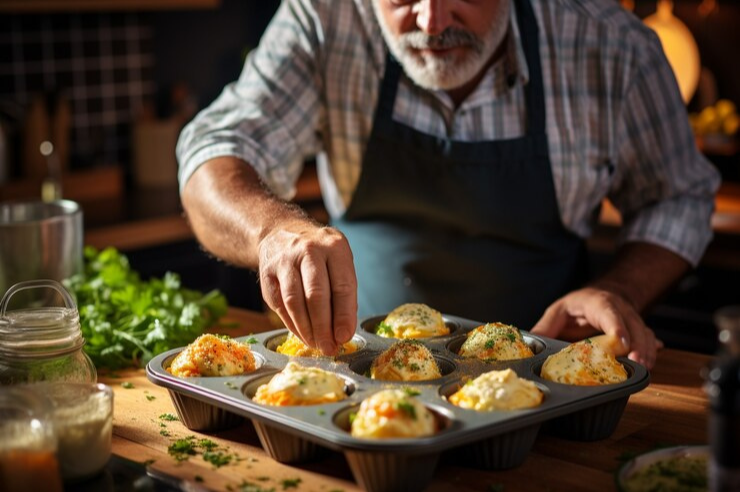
(296, 385)
(497, 390)
(495, 342)
(213, 355)
(392, 413)
(583, 364)
(295, 347)
(412, 321)
(405, 360)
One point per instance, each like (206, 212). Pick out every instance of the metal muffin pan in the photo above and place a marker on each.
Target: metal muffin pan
(489, 440)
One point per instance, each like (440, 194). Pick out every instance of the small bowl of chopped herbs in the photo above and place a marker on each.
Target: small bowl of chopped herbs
(678, 469)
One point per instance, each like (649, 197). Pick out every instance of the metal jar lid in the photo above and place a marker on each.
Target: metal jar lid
(39, 332)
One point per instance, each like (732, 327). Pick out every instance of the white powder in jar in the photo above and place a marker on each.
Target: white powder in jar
(83, 419)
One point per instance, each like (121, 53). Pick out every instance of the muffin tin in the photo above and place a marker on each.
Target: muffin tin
(490, 440)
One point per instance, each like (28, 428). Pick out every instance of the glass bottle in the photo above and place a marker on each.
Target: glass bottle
(723, 389)
(42, 344)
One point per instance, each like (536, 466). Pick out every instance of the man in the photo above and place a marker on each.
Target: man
(464, 148)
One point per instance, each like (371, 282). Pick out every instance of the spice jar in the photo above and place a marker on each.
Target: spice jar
(42, 343)
(28, 444)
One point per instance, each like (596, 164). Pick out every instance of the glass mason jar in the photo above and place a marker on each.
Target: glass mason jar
(42, 344)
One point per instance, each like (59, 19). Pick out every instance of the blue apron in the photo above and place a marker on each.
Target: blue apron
(469, 228)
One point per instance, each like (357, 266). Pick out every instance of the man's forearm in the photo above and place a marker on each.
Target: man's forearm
(641, 273)
(230, 210)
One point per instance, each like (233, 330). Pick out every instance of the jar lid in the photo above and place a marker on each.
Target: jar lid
(39, 331)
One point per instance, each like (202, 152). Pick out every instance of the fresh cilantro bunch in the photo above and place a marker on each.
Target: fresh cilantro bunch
(126, 321)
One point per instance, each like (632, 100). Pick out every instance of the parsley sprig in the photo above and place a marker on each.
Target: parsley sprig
(126, 320)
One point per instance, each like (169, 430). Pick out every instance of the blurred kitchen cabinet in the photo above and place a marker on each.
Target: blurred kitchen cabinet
(103, 5)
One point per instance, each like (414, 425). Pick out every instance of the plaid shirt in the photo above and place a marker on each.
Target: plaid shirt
(616, 125)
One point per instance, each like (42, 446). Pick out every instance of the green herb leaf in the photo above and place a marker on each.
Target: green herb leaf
(291, 483)
(126, 320)
(127, 385)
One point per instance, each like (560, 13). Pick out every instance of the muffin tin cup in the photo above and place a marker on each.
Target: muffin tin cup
(491, 440)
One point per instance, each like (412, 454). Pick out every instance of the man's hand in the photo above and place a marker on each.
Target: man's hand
(584, 312)
(308, 278)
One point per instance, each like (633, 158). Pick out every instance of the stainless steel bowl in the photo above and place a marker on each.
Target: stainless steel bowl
(39, 241)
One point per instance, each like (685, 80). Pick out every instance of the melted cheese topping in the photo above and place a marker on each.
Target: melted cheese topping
(295, 347)
(413, 321)
(495, 341)
(405, 360)
(211, 355)
(583, 364)
(497, 390)
(392, 413)
(297, 385)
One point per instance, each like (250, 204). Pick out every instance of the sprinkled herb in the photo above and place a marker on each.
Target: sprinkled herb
(151, 397)
(252, 340)
(414, 367)
(411, 392)
(397, 363)
(352, 417)
(384, 329)
(231, 385)
(511, 337)
(302, 381)
(127, 385)
(217, 458)
(207, 444)
(408, 408)
(490, 343)
(263, 479)
(181, 449)
(164, 432)
(252, 487)
(322, 411)
(588, 341)
(291, 483)
(168, 417)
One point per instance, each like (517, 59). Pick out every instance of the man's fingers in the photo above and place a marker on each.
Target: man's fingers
(318, 301)
(344, 297)
(274, 300)
(293, 297)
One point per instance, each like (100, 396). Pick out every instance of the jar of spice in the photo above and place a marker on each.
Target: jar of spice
(42, 344)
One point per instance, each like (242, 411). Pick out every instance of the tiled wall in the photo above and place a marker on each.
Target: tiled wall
(103, 64)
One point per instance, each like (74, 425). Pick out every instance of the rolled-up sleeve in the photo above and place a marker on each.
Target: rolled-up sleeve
(663, 187)
(270, 117)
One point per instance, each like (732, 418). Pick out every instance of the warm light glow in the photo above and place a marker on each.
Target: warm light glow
(679, 46)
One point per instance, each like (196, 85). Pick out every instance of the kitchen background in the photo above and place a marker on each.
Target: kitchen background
(110, 83)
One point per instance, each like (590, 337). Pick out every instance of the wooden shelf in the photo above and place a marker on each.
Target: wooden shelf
(45, 6)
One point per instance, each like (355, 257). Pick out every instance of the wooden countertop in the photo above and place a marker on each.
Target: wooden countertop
(671, 411)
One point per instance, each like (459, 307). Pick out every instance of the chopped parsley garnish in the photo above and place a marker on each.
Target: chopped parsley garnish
(414, 367)
(352, 417)
(231, 385)
(127, 385)
(207, 444)
(397, 363)
(490, 343)
(322, 411)
(291, 483)
(511, 337)
(151, 397)
(217, 458)
(411, 392)
(251, 487)
(181, 449)
(164, 432)
(384, 329)
(252, 340)
(407, 408)
(168, 417)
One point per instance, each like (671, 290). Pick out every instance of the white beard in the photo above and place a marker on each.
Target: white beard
(451, 71)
